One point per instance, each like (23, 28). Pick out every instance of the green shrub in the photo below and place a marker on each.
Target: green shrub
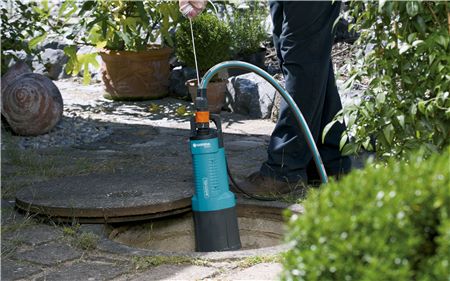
(247, 28)
(381, 223)
(23, 27)
(406, 105)
(212, 41)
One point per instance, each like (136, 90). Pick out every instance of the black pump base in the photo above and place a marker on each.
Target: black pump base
(216, 231)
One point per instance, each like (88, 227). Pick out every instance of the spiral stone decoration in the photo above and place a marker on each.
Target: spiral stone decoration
(31, 104)
(14, 72)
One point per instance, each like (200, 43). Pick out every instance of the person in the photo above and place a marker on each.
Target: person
(303, 35)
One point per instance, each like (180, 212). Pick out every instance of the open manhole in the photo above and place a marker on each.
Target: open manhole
(261, 226)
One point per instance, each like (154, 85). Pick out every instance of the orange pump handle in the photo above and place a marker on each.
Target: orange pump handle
(202, 117)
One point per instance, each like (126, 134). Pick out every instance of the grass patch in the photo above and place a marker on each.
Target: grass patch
(83, 240)
(251, 261)
(142, 263)
(87, 241)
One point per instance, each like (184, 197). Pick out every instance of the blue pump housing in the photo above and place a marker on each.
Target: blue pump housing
(210, 176)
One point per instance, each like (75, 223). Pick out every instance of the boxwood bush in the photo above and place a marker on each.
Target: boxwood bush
(212, 41)
(381, 223)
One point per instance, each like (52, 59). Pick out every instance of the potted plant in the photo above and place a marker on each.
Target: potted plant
(248, 34)
(212, 40)
(124, 34)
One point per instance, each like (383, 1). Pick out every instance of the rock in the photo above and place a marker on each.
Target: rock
(52, 65)
(49, 254)
(32, 104)
(251, 95)
(178, 77)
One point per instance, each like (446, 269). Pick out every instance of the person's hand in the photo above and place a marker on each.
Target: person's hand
(192, 8)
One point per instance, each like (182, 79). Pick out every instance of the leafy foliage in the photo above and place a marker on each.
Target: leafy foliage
(407, 66)
(23, 27)
(212, 41)
(125, 25)
(247, 28)
(120, 26)
(382, 223)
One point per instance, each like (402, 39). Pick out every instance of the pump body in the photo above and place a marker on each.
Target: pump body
(213, 204)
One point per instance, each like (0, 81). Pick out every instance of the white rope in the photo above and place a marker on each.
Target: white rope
(195, 53)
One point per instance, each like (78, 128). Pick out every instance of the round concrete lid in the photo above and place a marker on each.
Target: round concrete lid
(107, 198)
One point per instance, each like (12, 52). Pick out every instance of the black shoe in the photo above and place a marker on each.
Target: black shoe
(260, 185)
(314, 177)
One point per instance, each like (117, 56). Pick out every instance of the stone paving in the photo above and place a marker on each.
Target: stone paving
(37, 248)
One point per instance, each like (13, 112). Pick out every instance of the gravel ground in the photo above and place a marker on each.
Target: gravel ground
(68, 132)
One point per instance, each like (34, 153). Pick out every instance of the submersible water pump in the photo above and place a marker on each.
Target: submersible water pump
(213, 204)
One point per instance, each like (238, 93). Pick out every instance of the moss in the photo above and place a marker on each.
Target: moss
(142, 263)
(251, 261)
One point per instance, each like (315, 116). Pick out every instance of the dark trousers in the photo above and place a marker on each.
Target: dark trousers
(303, 37)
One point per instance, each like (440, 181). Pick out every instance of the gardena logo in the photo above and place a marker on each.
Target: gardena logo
(203, 144)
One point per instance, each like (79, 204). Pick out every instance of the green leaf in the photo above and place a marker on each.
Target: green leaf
(442, 40)
(36, 40)
(367, 145)
(349, 149)
(401, 120)
(73, 65)
(380, 99)
(343, 141)
(405, 47)
(417, 43)
(421, 106)
(381, 5)
(86, 60)
(412, 8)
(326, 129)
(407, 80)
(388, 133)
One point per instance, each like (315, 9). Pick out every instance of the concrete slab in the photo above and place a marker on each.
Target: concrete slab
(13, 270)
(176, 272)
(108, 197)
(89, 271)
(262, 271)
(49, 254)
(34, 235)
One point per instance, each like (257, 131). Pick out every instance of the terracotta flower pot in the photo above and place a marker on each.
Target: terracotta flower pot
(215, 93)
(136, 75)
